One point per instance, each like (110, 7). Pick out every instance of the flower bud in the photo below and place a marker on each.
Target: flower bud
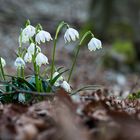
(3, 62)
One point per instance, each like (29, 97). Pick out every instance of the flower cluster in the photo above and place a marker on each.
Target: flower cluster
(34, 36)
(33, 53)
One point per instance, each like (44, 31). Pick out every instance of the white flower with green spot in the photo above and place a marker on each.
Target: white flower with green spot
(31, 49)
(43, 36)
(41, 59)
(28, 57)
(19, 62)
(71, 35)
(24, 38)
(29, 31)
(66, 86)
(94, 44)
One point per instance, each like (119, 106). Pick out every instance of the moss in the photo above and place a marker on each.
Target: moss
(121, 56)
(125, 48)
(134, 96)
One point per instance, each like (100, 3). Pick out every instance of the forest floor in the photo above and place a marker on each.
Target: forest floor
(102, 114)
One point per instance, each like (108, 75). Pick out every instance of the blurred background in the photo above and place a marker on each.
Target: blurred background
(115, 22)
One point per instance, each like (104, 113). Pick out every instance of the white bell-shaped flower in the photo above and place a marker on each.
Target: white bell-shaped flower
(59, 80)
(66, 86)
(19, 63)
(94, 44)
(3, 62)
(28, 57)
(41, 59)
(28, 31)
(23, 39)
(43, 36)
(31, 49)
(71, 35)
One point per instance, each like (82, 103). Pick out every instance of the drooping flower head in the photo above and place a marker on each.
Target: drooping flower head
(24, 38)
(43, 36)
(71, 35)
(66, 86)
(41, 59)
(94, 44)
(3, 62)
(28, 57)
(19, 62)
(31, 49)
(28, 31)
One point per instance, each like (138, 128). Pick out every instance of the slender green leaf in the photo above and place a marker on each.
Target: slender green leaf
(54, 80)
(26, 83)
(88, 87)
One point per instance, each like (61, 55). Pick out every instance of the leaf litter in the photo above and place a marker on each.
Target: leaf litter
(94, 115)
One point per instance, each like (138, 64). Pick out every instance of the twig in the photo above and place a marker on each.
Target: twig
(30, 92)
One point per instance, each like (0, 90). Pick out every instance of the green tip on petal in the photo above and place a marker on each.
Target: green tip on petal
(38, 27)
(27, 22)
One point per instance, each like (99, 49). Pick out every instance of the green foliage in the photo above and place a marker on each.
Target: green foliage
(134, 96)
(121, 55)
(125, 48)
(13, 89)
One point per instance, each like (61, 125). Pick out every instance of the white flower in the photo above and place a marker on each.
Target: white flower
(3, 62)
(55, 74)
(66, 86)
(71, 35)
(43, 36)
(59, 80)
(24, 39)
(31, 49)
(28, 57)
(28, 31)
(19, 63)
(94, 44)
(41, 59)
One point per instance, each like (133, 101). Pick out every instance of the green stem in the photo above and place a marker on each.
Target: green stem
(77, 52)
(18, 72)
(53, 58)
(36, 70)
(2, 71)
(22, 72)
(20, 44)
(36, 77)
(54, 47)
